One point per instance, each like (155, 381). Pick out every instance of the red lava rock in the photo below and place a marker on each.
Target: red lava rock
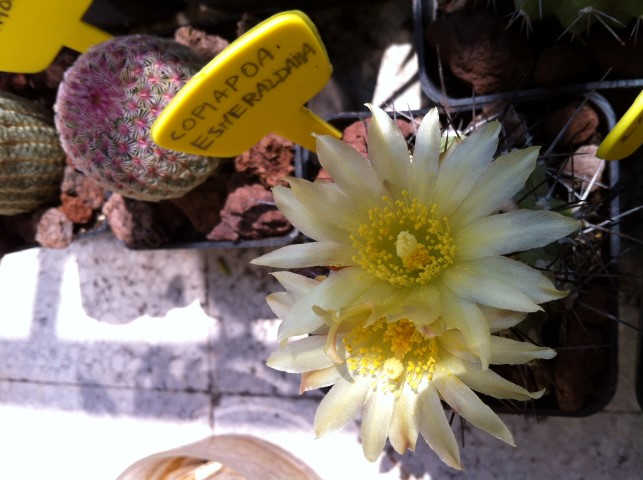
(249, 213)
(137, 224)
(271, 160)
(75, 209)
(561, 63)
(208, 46)
(203, 205)
(356, 135)
(479, 49)
(582, 127)
(54, 229)
(80, 196)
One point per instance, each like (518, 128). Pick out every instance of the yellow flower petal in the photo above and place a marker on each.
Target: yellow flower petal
(528, 280)
(499, 183)
(301, 356)
(303, 219)
(327, 201)
(422, 306)
(404, 428)
(280, 303)
(467, 317)
(502, 350)
(512, 232)
(350, 171)
(501, 319)
(332, 254)
(435, 428)
(387, 151)
(295, 284)
(424, 168)
(463, 165)
(324, 377)
(467, 404)
(507, 351)
(468, 282)
(487, 381)
(337, 291)
(376, 422)
(340, 405)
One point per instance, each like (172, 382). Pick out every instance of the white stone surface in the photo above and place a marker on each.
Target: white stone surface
(80, 392)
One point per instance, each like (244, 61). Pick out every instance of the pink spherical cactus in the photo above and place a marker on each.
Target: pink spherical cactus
(106, 106)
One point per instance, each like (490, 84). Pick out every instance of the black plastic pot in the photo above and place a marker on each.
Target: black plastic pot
(457, 93)
(604, 281)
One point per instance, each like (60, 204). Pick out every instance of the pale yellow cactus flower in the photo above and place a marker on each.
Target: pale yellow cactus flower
(418, 237)
(397, 373)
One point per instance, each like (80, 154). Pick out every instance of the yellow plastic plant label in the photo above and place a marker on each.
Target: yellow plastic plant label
(256, 86)
(626, 136)
(32, 32)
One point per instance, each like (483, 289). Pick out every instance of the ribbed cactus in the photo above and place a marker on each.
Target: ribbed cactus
(31, 158)
(105, 108)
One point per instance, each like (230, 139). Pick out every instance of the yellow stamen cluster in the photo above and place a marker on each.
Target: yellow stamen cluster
(404, 242)
(391, 353)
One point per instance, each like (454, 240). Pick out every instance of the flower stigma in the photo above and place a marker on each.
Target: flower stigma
(392, 354)
(404, 243)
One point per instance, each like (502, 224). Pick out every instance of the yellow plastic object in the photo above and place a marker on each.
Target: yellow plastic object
(256, 86)
(32, 32)
(626, 136)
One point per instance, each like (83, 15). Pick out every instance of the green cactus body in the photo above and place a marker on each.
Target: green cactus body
(626, 10)
(106, 106)
(32, 161)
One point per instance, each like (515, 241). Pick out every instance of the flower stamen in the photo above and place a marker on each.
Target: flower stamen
(405, 242)
(392, 354)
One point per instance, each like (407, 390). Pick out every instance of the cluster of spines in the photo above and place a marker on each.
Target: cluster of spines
(577, 16)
